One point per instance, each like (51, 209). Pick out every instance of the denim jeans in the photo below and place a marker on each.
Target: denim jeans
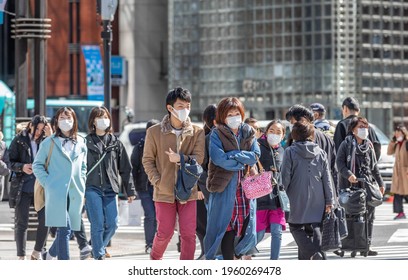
(150, 224)
(102, 211)
(276, 240)
(60, 246)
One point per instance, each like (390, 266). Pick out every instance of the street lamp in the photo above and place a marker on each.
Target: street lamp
(107, 9)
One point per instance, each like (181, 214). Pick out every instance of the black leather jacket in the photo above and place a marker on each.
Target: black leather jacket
(117, 166)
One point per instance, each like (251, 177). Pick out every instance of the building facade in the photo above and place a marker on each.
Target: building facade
(273, 54)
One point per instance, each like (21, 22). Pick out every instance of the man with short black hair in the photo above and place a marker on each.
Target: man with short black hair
(350, 108)
(161, 158)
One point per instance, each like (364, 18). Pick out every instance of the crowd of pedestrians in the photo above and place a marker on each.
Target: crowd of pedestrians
(309, 159)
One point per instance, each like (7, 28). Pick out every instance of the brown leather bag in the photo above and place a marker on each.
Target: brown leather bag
(39, 195)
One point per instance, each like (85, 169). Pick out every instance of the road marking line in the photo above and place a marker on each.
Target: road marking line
(400, 235)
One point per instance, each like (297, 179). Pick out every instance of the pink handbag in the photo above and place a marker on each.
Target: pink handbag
(257, 185)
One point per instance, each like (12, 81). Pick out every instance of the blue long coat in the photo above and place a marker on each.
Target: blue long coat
(221, 204)
(65, 178)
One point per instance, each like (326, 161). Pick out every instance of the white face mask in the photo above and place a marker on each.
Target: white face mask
(102, 124)
(362, 133)
(234, 122)
(273, 139)
(66, 125)
(182, 114)
(400, 138)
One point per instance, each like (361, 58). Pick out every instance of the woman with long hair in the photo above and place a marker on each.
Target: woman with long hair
(399, 187)
(22, 151)
(63, 181)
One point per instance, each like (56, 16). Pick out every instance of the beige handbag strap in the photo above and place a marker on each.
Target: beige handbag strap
(47, 162)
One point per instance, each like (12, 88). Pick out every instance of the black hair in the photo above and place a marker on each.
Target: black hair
(180, 93)
(151, 122)
(354, 122)
(209, 115)
(303, 131)
(298, 112)
(35, 121)
(351, 103)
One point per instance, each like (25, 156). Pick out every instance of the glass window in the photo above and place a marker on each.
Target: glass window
(318, 39)
(308, 54)
(288, 41)
(269, 42)
(298, 12)
(327, 10)
(318, 11)
(308, 39)
(308, 25)
(308, 11)
(327, 53)
(366, 24)
(318, 54)
(318, 25)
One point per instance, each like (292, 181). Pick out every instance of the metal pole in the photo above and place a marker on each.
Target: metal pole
(21, 68)
(40, 63)
(106, 35)
(78, 53)
(71, 59)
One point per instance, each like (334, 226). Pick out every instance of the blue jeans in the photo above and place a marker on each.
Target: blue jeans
(276, 240)
(150, 224)
(102, 211)
(60, 246)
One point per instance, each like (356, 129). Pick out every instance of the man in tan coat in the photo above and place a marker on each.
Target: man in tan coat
(161, 157)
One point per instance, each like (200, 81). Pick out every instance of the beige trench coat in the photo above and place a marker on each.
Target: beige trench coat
(400, 173)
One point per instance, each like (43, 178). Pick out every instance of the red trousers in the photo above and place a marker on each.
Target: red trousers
(166, 214)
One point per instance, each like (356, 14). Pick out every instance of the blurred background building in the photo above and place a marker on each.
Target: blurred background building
(273, 54)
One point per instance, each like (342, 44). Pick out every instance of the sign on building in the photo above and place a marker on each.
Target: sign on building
(94, 72)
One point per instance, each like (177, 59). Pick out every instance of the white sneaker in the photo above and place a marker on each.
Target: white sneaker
(46, 256)
(36, 256)
(85, 252)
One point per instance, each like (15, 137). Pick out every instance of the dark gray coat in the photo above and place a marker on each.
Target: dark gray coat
(306, 178)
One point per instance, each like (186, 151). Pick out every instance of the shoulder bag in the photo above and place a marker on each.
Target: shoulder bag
(187, 177)
(39, 196)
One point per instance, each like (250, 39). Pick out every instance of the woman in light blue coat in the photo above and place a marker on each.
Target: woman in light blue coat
(63, 181)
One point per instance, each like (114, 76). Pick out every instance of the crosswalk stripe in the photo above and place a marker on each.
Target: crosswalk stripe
(400, 235)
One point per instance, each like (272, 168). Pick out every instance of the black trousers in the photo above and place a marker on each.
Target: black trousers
(22, 211)
(201, 223)
(308, 238)
(228, 245)
(397, 204)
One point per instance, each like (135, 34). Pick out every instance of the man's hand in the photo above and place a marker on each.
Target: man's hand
(328, 208)
(382, 190)
(27, 168)
(200, 195)
(353, 179)
(131, 198)
(173, 157)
